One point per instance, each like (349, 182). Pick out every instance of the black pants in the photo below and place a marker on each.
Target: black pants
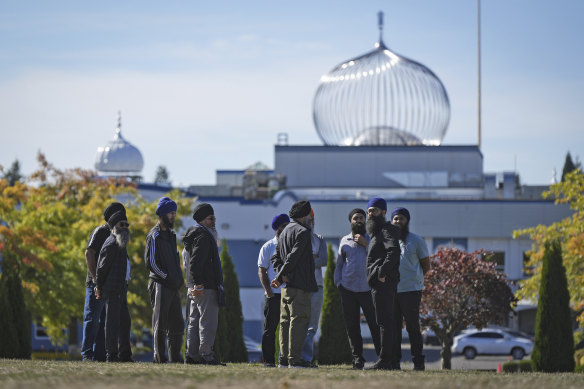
(384, 299)
(167, 321)
(117, 327)
(407, 307)
(353, 303)
(271, 320)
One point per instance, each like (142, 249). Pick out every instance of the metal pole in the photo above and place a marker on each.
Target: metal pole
(479, 66)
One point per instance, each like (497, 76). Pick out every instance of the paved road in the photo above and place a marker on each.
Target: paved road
(433, 361)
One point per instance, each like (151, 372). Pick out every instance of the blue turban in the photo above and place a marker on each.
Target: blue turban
(278, 220)
(377, 202)
(165, 205)
(401, 211)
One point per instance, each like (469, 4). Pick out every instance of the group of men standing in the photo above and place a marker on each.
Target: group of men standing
(106, 321)
(380, 270)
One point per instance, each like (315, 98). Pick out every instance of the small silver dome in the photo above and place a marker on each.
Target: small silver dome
(119, 157)
(381, 98)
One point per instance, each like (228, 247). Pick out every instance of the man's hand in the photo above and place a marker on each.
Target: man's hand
(198, 290)
(97, 293)
(275, 283)
(360, 239)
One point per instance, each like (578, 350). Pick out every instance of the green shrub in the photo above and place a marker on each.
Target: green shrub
(333, 345)
(511, 367)
(579, 369)
(525, 366)
(553, 350)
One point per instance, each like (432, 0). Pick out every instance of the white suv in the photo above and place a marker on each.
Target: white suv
(489, 341)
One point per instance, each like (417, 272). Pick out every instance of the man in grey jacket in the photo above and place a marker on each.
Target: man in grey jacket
(294, 265)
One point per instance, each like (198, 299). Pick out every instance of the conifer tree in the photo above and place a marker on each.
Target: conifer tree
(553, 350)
(229, 344)
(9, 340)
(569, 166)
(333, 345)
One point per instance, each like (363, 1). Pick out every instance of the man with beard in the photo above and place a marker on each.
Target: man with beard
(111, 280)
(166, 278)
(351, 279)
(205, 286)
(414, 264)
(294, 264)
(320, 255)
(272, 302)
(93, 344)
(383, 275)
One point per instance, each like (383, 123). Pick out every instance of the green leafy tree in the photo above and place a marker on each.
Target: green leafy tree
(569, 232)
(12, 175)
(162, 176)
(569, 166)
(333, 345)
(229, 345)
(47, 222)
(463, 289)
(553, 350)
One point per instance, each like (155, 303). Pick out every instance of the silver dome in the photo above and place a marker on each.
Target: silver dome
(381, 98)
(119, 157)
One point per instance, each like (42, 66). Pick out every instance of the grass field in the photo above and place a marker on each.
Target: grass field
(56, 374)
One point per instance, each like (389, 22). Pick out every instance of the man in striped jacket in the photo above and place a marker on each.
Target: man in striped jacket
(166, 278)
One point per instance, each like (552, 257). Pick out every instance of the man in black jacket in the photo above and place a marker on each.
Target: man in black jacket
(294, 265)
(383, 275)
(166, 278)
(111, 285)
(205, 286)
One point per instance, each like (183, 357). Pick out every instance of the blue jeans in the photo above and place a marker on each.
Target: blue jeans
(315, 307)
(93, 345)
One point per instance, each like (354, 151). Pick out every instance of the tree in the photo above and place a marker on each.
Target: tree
(553, 350)
(463, 289)
(333, 345)
(47, 223)
(162, 176)
(569, 166)
(12, 175)
(9, 345)
(569, 232)
(229, 345)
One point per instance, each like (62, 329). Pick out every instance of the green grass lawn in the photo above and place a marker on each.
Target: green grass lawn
(63, 374)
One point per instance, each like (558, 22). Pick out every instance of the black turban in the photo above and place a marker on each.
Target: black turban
(202, 211)
(300, 209)
(111, 209)
(356, 210)
(117, 217)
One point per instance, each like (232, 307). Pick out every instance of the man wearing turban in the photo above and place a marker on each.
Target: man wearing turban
(294, 265)
(166, 279)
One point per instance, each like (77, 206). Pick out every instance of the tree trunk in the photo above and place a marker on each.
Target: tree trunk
(446, 353)
(73, 347)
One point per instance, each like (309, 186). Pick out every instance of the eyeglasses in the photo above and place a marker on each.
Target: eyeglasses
(124, 224)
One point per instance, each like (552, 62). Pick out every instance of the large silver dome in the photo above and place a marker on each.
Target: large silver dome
(119, 157)
(381, 98)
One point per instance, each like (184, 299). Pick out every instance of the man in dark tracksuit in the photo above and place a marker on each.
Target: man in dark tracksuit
(383, 275)
(205, 286)
(166, 278)
(294, 264)
(111, 282)
(93, 344)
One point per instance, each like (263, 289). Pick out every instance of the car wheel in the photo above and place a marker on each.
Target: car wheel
(517, 353)
(469, 353)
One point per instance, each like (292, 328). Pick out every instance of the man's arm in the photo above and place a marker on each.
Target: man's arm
(339, 267)
(200, 252)
(293, 257)
(91, 262)
(425, 262)
(103, 267)
(265, 281)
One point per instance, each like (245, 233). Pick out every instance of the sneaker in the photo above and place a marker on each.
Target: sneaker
(358, 363)
(303, 364)
(213, 362)
(193, 361)
(269, 364)
(379, 365)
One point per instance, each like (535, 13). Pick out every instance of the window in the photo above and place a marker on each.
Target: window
(498, 258)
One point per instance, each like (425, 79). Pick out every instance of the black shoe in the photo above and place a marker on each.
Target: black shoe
(395, 366)
(302, 364)
(358, 363)
(87, 359)
(419, 366)
(283, 363)
(127, 360)
(380, 365)
(213, 362)
(269, 364)
(193, 361)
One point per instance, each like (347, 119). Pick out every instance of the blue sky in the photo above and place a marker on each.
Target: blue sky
(208, 85)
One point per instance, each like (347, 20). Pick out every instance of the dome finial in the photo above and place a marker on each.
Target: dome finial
(119, 126)
(380, 25)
